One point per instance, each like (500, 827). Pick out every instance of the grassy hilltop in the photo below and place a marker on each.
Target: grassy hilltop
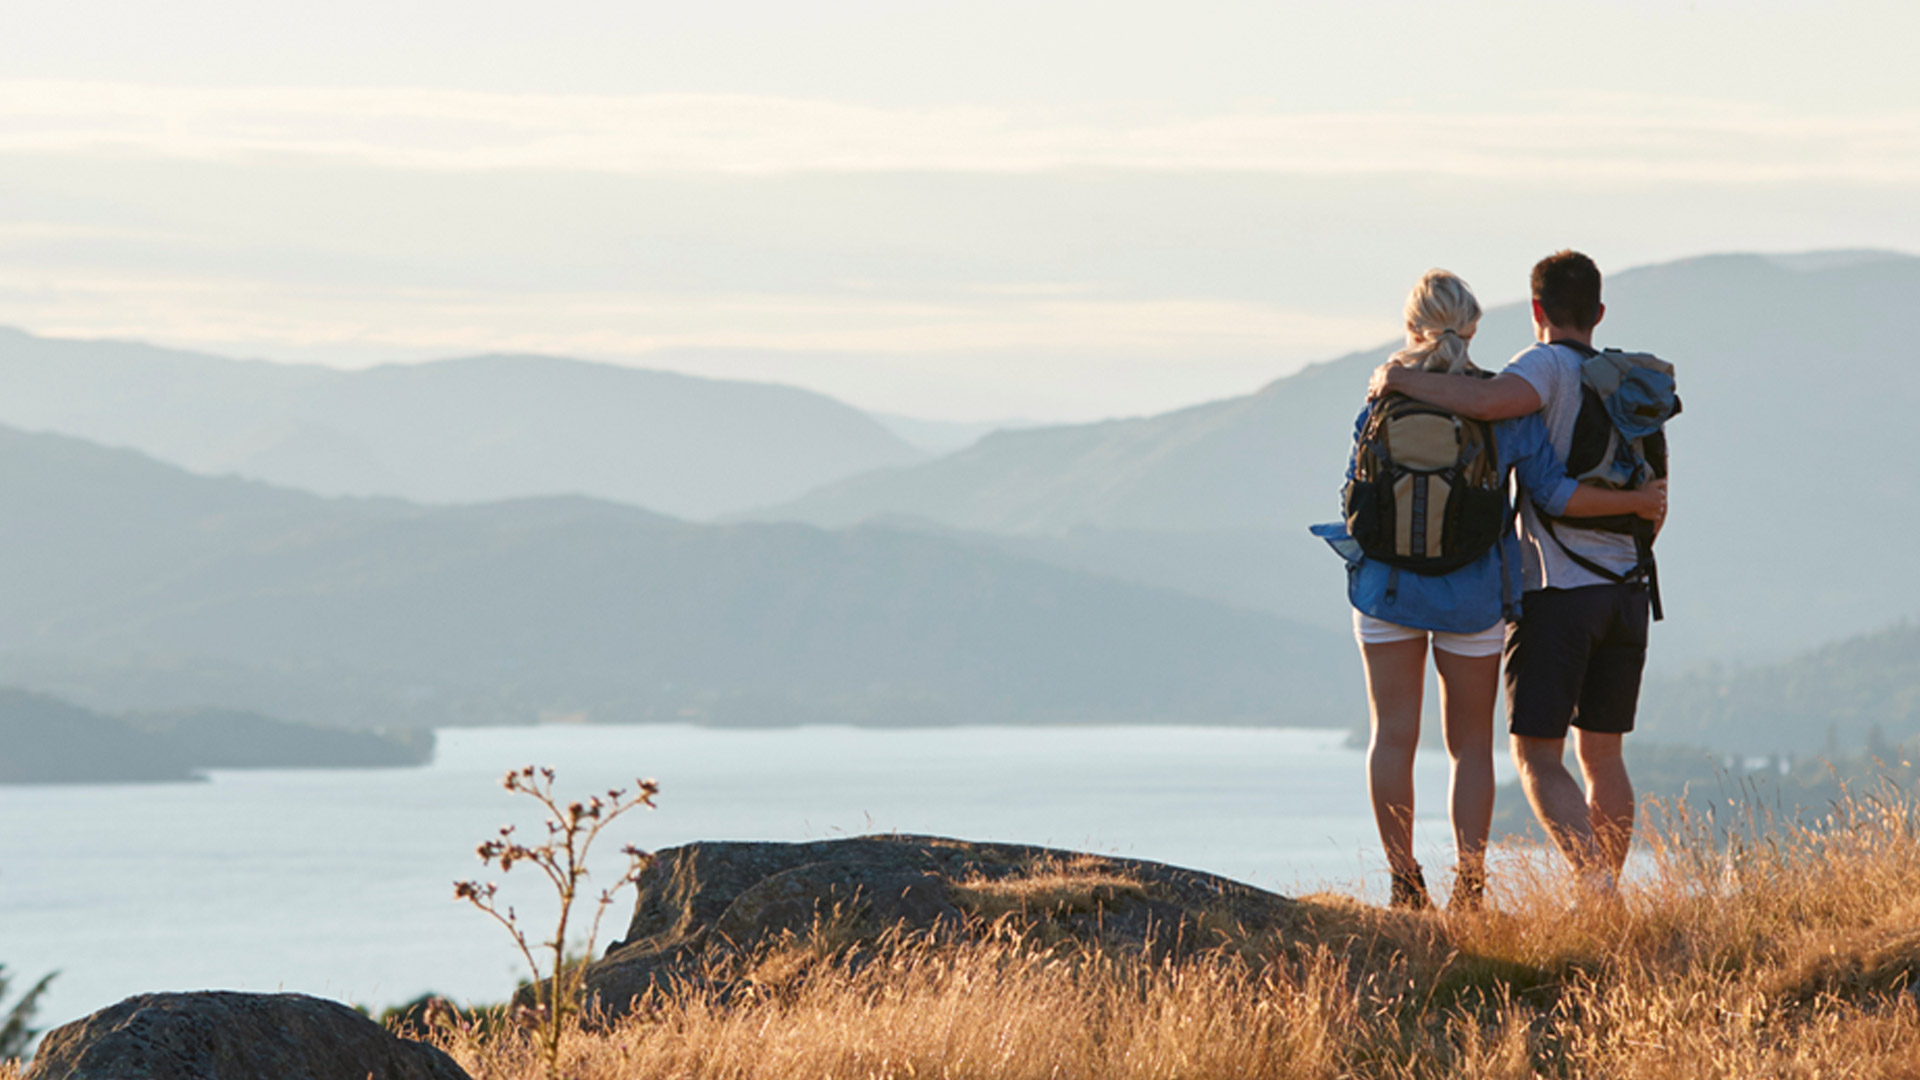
(1792, 957)
(1795, 957)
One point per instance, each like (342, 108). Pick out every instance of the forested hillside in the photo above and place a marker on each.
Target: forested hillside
(1838, 698)
(44, 740)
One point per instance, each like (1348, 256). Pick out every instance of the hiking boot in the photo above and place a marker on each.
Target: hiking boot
(1409, 891)
(1469, 889)
(1599, 891)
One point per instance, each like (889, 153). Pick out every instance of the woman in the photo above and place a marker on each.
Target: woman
(1462, 611)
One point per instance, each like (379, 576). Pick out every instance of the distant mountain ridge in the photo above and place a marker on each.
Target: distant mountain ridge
(465, 430)
(1792, 498)
(136, 585)
(49, 741)
(1219, 465)
(1259, 461)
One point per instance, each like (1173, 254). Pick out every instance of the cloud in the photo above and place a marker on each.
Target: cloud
(211, 308)
(1064, 355)
(1617, 139)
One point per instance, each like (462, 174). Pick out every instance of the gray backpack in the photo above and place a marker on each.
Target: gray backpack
(1620, 441)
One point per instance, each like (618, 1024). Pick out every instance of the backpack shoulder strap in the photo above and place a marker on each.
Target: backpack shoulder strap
(1586, 351)
(1647, 570)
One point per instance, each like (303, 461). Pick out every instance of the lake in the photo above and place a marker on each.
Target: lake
(339, 882)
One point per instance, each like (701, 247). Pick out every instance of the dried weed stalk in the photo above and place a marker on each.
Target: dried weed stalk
(571, 832)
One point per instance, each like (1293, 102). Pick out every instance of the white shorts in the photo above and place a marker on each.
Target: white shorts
(1371, 631)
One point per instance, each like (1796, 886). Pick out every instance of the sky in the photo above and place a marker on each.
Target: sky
(963, 211)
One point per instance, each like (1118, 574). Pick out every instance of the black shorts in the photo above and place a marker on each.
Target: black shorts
(1575, 659)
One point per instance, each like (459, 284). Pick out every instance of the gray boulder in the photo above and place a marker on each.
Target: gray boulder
(708, 902)
(223, 1035)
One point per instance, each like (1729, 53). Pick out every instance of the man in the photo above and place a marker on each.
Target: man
(1575, 658)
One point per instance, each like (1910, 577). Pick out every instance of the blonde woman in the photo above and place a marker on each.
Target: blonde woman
(1461, 610)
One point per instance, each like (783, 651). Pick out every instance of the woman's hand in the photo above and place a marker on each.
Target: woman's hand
(1651, 504)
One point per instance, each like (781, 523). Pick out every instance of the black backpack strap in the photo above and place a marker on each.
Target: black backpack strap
(1646, 571)
(1507, 610)
(1586, 563)
(1643, 540)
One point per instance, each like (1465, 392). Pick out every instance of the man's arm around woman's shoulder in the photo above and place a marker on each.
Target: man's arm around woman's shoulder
(1503, 397)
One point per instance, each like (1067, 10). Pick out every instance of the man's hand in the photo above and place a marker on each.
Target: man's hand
(1383, 380)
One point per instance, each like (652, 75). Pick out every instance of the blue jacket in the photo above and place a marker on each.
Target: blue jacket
(1471, 598)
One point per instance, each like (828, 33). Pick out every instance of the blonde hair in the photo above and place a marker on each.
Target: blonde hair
(1442, 314)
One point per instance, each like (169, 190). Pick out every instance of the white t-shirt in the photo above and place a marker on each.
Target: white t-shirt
(1554, 373)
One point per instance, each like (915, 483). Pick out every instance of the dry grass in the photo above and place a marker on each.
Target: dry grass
(1046, 888)
(1789, 953)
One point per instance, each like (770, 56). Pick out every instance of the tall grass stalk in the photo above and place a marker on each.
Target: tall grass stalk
(16, 1022)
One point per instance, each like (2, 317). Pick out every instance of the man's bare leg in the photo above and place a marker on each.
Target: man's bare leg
(1609, 795)
(1557, 800)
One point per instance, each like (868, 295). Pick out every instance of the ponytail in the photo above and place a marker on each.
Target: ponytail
(1442, 313)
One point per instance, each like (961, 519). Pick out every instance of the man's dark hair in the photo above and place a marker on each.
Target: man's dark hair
(1567, 285)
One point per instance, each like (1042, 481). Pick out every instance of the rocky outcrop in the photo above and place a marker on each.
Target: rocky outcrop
(712, 901)
(220, 1035)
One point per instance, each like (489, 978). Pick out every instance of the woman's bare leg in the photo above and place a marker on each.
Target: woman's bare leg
(1467, 688)
(1396, 678)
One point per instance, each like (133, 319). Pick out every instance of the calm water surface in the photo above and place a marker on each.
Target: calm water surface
(338, 882)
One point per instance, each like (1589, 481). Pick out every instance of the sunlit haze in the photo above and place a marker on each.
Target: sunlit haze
(932, 438)
(955, 211)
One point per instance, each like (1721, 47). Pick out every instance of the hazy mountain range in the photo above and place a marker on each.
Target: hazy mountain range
(467, 430)
(1793, 486)
(133, 584)
(1146, 569)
